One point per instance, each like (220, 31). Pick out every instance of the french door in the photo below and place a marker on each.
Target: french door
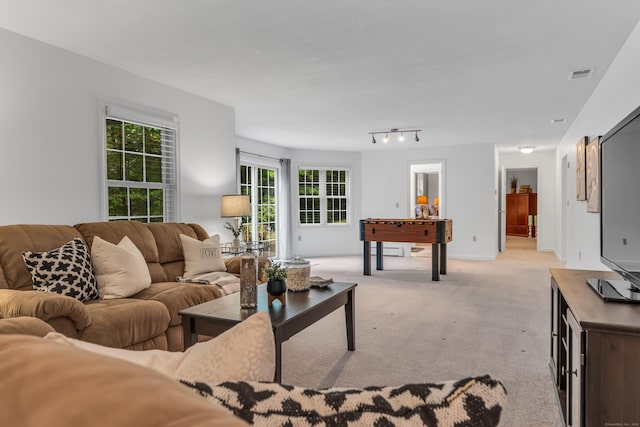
(260, 182)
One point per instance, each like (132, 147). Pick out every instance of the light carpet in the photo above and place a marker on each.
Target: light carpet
(482, 317)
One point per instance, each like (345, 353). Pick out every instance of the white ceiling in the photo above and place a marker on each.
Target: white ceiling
(321, 74)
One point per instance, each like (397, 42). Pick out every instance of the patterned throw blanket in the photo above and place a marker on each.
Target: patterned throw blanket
(476, 401)
(226, 283)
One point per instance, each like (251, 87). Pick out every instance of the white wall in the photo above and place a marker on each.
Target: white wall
(51, 147)
(616, 96)
(544, 161)
(469, 194)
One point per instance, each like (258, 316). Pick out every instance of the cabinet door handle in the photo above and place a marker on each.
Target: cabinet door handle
(554, 334)
(563, 371)
(575, 372)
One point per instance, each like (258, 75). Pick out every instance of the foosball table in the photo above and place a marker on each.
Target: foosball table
(438, 232)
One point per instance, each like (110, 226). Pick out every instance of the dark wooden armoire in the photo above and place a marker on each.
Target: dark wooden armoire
(519, 207)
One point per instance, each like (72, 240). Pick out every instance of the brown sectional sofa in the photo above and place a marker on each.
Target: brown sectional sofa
(146, 320)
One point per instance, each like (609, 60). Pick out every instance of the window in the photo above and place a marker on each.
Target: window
(140, 170)
(260, 183)
(323, 196)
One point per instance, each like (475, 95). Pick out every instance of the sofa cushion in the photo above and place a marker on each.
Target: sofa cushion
(177, 296)
(121, 270)
(167, 237)
(201, 256)
(15, 239)
(48, 384)
(474, 401)
(125, 322)
(136, 231)
(25, 325)
(66, 270)
(245, 352)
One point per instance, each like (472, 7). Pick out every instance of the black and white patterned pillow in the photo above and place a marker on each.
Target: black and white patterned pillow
(65, 270)
(476, 401)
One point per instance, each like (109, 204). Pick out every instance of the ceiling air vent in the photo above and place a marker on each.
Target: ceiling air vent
(558, 121)
(580, 74)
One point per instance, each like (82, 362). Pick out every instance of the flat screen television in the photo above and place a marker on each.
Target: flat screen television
(620, 210)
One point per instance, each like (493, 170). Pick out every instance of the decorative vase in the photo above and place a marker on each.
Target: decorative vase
(235, 245)
(248, 280)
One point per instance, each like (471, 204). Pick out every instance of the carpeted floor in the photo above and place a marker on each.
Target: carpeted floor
(482, 317)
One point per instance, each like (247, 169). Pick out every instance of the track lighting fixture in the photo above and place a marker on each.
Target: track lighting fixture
(394, 130)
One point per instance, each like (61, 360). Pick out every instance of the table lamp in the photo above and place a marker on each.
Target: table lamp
(235, 206)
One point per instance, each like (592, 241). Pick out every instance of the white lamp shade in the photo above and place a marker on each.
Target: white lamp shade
(235, 205)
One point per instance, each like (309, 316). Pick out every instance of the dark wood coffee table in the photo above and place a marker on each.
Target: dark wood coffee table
(302, 309)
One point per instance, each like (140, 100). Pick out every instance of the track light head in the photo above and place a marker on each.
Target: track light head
(401, 137)
(373, 139)
(417, 139)
(386, 138)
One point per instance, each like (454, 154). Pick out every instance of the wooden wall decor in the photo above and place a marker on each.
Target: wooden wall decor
(593, 176)
(581, 176)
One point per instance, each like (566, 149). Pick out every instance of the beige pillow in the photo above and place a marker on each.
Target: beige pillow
(120, 270)
(246, 352)
(47, 384)
(201, 256)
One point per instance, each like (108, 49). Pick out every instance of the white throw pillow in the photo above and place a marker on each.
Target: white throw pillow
(246, 352)
(201, 256)
(120, 270)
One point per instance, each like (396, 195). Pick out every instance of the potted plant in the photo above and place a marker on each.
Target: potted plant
(514, 184)
(276, 275)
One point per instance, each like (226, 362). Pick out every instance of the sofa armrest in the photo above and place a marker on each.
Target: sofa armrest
(43, 305)
(233, 266)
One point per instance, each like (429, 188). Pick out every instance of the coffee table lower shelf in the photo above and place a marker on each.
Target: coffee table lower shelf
(302, 310)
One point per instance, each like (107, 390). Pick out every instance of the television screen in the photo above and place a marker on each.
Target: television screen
(620, 208)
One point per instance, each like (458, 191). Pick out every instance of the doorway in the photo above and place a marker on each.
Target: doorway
(427, 196)
(521, 209)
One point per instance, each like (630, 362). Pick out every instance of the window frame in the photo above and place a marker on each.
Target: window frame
(323, 195)
(145, 116)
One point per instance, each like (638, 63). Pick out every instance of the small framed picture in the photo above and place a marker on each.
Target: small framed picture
(593, 176)
(581, 176)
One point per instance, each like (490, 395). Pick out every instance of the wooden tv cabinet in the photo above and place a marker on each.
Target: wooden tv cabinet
(595, 352)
